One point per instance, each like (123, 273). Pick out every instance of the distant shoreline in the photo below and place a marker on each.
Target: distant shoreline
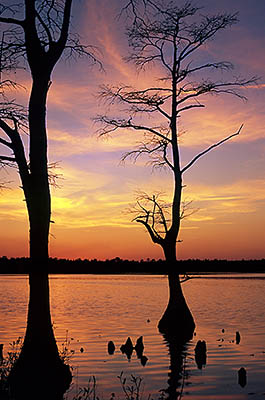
(192, 276)
(118, 266)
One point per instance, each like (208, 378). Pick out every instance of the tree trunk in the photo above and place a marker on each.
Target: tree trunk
(39, 371)
(177, 319)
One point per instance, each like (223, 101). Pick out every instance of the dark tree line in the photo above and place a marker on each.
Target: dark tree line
(119, 266)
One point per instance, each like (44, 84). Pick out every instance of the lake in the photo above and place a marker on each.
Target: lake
(91, 310)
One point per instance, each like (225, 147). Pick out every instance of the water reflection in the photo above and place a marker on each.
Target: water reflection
(1, 353)
(93, 309)
(111, 347)
(139, 347)
(178, 373)
(201, 354)
(238, 337)
(127, 348)
(242, 377)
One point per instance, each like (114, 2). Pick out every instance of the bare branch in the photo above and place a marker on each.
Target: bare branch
(45, 27)
(6, 128)
(6, 158)
(6, 143)
(139, 101)
(65, 24)
(54, 176)
(160, 212)
(7, 161)
(154, 148)
(209, 149)
(198, 105)
(152, 212)
(143, 148)
(74, 49)
(185, 278)
(112, 125)
(207, 86)
(187, 71)
(186, 210)
(14, 114)
(154, 238)
(11, 21)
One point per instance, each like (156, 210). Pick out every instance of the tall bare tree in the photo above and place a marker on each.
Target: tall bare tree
(169, 37)
(38, 32)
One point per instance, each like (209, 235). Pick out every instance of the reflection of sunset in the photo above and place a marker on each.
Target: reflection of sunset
(91, 310)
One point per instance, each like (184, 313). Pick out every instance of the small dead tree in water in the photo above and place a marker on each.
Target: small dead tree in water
(38, 33)
(168, 36)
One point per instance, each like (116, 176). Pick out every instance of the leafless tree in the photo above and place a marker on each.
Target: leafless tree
(35, 34)
(169, 37)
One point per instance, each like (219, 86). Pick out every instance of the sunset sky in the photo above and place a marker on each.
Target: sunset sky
(89, 208)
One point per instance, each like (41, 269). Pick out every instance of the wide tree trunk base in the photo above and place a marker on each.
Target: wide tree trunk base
(178, 322)
(177, 319)
(39, 372)
(37, 378)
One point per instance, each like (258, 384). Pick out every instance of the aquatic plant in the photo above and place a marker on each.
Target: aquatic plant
(8, 362)
(65, 352)
(131, 389)
(87, 393)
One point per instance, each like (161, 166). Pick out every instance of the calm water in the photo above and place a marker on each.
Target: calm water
(94, 309)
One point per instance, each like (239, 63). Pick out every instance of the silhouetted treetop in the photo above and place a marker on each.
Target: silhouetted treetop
(42, 27)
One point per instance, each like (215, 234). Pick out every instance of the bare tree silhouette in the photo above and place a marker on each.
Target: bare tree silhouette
(168, 36)
(36, 32)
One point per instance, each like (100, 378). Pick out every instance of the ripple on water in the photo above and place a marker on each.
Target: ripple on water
(94, 309)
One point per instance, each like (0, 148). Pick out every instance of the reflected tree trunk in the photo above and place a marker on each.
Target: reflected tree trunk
(177, 375)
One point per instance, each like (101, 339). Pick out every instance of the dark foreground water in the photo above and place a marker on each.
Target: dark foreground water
(91, 310)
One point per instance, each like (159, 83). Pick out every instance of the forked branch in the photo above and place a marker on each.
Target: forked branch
(152, 213)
